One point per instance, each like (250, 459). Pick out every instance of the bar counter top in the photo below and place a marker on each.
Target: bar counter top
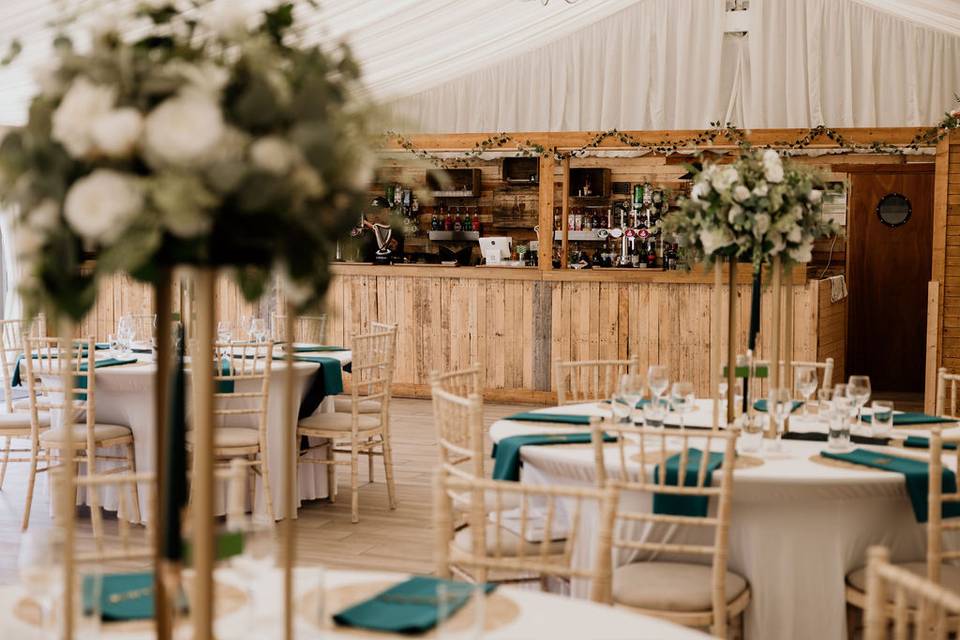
(698, 275)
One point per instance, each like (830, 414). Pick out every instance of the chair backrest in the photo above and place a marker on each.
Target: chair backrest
(536, 537)
(305, 328)
(246, 365)
(590, 380)
(47, 363)
(936, 497)
(462, 382)
(372, 369)
(944, 381)
(922, 605)
(459, 423)
(639, 454)
(11, 346)
(825, 370)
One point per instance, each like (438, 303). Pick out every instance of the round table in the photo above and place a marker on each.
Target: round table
(536, 615)
(125, 396)
(798, 526)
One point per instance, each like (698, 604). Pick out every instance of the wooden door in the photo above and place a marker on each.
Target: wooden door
(888, 268)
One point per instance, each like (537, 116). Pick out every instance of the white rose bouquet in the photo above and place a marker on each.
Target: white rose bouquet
(212, 136)
(756, 208)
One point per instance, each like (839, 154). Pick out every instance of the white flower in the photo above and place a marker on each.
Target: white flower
(28, 241)
(184, 129)
(734, 213)
(815, 196)
(273, 154)
(117, 132)
(795, 235)
(724, 178)
(771, 158)
(761, 190)
(46, 76)
(206, 76)
(99, 206)
(308, 181)
(778, 243)
(803, 253)
(700, 189)
(773, 173)
(741, 193)
(73, 120)
(714, 238)
(761, 224)
(230, 18)
(44, 217)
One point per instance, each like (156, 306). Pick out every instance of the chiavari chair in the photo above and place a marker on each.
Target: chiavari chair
(533, 541)
(461, 382)
(356, 433)
(939, 566)
(900, 598)
(945, 380)
(242, 394)
(824, 369)
(692, 586)
(590, 380)
(47, 363)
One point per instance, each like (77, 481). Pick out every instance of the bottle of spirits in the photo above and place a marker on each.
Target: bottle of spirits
(651, 255)
(457, 222)
(447, 221)
(435, 223)
(467, 224)
(476, 220)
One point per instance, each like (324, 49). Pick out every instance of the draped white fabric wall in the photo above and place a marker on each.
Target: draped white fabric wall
(664, 64)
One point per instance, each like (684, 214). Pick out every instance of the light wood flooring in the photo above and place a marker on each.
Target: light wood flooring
(384, 540)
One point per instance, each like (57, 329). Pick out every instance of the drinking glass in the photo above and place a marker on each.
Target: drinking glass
(126, 332)
(824, 401)
(881, 422)
(806, 380)
(779, 404)
(654, 414)
(40, 571)
(258, 329)
(858, 389)
(627, 397)
(838, 433)
(657, 380)
(224, 331)
(467, 622)
(751, 432)
(682, 399)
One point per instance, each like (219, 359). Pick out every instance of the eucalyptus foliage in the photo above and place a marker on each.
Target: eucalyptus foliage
(213, 136)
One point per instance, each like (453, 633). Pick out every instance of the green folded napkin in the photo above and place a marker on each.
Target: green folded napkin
(409, 607)
(80, 382)
(224, 386)
(916, 474)
(506, 453)
(123, 596)
(226, 545)
(562, 418)
(742, 371)
(761, 405)
(919, 442)
(678, 505)
(307, 348)
(913, 418)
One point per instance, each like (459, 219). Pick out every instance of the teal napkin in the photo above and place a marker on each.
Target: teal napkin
(224, 386)
(562, 418)
(916, 474)
(307, 348)
(677, 505)
(81, 381)
(506, 453)
(919, 442)
(137, 592)
(913, 418)
(741, 372)
(761, 405)
(226, 544)
(409, 607)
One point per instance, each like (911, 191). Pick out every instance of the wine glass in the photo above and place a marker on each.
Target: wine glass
(628, 395)
(806, 380)
(258, 329)
(779, 405)
(126, 332)
(39, 568)
(858, 389)
(224, 331)
(657, 380)
(682, 399)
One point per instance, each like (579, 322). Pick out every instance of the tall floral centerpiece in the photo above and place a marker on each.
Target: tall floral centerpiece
(206, 133)
(758, 209)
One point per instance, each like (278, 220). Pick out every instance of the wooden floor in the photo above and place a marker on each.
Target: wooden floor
(398, 540)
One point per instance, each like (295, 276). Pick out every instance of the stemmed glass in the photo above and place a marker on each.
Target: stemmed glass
(224, 331)
(658, 381)
(858, 390)
(39, 568)
(126, 332)
(806, 380)
(628, 396)
(258, 329)
(682, 399)
(779, 405)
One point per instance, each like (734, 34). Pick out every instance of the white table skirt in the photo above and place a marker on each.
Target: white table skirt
(541, 615)
(124, 396)
(798, 527)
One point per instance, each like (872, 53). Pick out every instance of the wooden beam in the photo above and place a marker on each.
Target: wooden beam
(934, 327)
(565, 212)
(546, 205)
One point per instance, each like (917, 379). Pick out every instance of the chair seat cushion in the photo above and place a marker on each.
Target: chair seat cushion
(21, 420)
(100, 432)
(949, 577)
(670, 586)
(510, 543)
(225, 437)
(338, 422)
(343, 404)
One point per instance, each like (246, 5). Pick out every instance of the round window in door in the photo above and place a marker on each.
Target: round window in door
(894, 209)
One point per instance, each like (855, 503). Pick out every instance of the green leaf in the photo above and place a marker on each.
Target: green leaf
(252, 281)
(278, 20)
(132, 251)
(12, 52)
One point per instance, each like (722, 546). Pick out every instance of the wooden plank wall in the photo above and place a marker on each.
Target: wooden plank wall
(516, 328)
(832, 330)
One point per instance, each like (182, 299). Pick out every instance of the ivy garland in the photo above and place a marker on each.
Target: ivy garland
(718, 131)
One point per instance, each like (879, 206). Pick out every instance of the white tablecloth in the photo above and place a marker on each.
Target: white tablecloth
(541, 615)
(798, 527)
(124, 396)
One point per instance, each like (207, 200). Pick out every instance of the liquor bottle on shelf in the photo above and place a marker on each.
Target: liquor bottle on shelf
(467, 223)
(457, 222)
(651, 255)
(415, 206)
(448, 221)
(434, 223)
(556, 218)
